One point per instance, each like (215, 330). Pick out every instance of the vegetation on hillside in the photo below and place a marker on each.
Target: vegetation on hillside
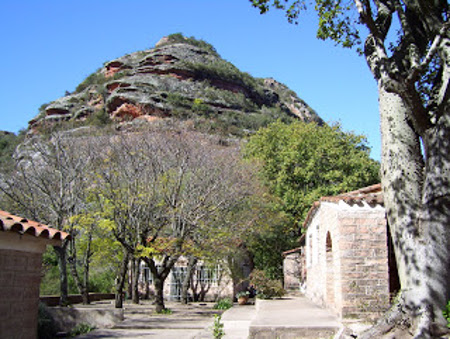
(8, 144)
(180, 38)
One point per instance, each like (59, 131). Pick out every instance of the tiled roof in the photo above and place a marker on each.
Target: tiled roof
(372, 195)
(13, 223)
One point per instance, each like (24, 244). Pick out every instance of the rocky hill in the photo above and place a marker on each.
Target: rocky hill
(180, 78)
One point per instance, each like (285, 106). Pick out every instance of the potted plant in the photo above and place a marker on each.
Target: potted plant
(242, 297)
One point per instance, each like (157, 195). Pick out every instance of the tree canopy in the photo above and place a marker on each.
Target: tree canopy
(302, 162)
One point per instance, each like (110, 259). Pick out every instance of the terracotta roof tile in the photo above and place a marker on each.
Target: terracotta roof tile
(372, 195)
(13, 223)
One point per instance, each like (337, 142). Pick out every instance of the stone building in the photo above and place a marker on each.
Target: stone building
(349, 262)
(22, 243)
(209, 282)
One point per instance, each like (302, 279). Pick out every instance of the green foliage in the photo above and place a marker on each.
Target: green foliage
(218, 331)
(99, 118)
(223, 304)
(95, 78)
(50, 283)
(303, 162)
(199, 107)
(267, 248)
(292, 10)
(446, 314)
(8, 144)
(46, 324)
(226, 71)
(180, 38)
(336, 19)
(102, 281)
(81, 329)
(166, 311)
(242, 294)
(266, 288)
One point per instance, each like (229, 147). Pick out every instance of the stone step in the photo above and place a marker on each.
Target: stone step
(292, 317)
(291, 332)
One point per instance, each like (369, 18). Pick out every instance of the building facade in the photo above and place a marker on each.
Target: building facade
(348, 258)
(22, 243)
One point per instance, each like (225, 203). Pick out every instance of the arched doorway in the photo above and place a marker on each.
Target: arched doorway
(330, 271)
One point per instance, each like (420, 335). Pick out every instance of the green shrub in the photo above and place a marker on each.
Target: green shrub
(46, 324)
(218, 331)
(223, 304)
(99, 118)
(167, 311)
(180, 38)
(266, 288)
(446, 314)
(81, 329)
(102, 281)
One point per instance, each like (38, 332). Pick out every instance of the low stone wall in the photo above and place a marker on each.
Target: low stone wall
(75, 298)
(67, 318)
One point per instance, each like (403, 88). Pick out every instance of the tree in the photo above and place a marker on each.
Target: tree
(47, 184)
(413, 76)
(300, 163)
(163, 188)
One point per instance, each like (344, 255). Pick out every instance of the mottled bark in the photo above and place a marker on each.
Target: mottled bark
(416, 193)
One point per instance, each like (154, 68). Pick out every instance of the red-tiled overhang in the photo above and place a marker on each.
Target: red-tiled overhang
(372, 195)
(13, 223)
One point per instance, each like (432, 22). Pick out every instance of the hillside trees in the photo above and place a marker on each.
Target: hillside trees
(413, 76)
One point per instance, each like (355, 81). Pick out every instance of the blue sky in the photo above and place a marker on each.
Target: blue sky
(48, 47)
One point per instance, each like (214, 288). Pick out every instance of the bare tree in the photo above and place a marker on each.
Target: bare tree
(161, 188)
(47, 184)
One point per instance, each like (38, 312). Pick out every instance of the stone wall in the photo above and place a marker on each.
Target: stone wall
(347, 259)
(19, 296)
(364, 253)
(292, 267)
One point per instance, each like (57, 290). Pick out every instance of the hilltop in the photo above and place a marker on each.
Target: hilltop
(180, 78)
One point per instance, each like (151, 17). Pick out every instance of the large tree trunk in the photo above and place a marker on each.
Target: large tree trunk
(159, 277)
(187, 279)
(159, 294)
(120, 281)
(62, 264)
(135, 280)
(417, 205)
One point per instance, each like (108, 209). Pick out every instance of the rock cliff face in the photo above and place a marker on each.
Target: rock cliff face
(183, 78)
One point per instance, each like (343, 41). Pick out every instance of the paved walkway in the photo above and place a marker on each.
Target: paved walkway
(290, 317)
(193, 321)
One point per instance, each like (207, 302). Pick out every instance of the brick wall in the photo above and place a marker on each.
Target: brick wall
(20, 275)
